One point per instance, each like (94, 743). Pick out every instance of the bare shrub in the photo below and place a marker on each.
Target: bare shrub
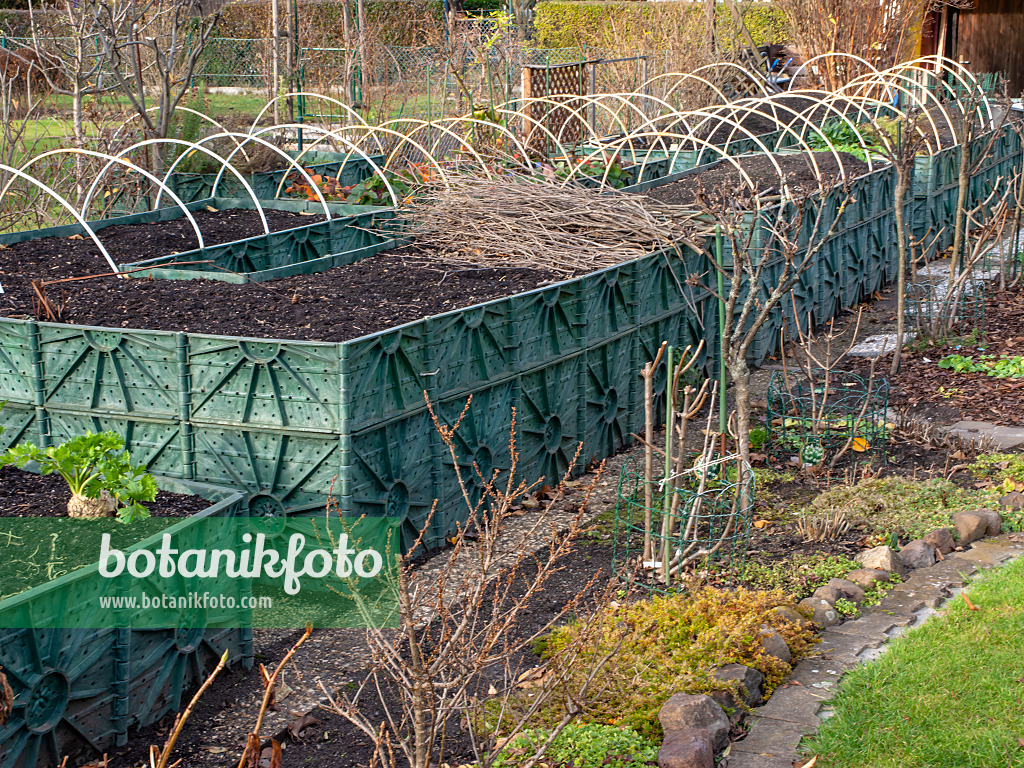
(462, 653)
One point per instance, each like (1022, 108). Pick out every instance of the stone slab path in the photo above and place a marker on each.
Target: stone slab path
(797, 708)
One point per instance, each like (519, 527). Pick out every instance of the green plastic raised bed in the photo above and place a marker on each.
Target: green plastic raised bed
(78, 692)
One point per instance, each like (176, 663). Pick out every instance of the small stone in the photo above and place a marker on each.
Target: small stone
(691, 748)
(827, 593)
(883, 558)
(941, 539)
(751, 681)
(774, 645)
(824, 614)
(789, 614)
(685, 712)
(970, 526)
(918, 554)
(852, 592)
(995, 522)
(865, 578)
(1012, 500)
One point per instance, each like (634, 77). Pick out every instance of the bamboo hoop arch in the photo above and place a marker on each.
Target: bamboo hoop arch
(195, 147)
(189, 110)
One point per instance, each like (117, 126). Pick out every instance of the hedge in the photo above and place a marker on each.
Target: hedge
(395, 22)
(601, 24)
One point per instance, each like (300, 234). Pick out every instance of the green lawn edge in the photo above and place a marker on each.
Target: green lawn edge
(949, 693)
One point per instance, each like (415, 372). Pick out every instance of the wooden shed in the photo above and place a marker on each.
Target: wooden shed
(985, 35)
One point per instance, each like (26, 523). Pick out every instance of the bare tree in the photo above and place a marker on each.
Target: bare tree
(67, 32)
(879, 31)
(969, 127)
(151, 49)
(749, 301)
(901, 153)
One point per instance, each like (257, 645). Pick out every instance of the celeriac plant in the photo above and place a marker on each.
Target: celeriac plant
(99, 473)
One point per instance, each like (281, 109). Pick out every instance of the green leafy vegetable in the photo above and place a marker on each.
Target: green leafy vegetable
(92, 464)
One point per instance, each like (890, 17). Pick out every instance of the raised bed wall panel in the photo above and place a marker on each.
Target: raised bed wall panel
(19, 355)
(278, 385)
(471, 348)
(112, 372)
(279, 471)
(609, 396)
(155, 443)
(391, 472)
(550, 420)
(385, 374)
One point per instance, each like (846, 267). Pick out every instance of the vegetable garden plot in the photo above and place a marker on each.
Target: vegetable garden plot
(281, 419)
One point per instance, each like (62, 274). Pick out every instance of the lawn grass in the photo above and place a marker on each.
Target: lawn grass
(947, 694)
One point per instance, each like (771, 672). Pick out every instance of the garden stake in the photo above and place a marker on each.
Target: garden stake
(648, 376)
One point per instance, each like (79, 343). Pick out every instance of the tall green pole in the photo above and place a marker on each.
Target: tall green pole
(666, 496)
(722, 418)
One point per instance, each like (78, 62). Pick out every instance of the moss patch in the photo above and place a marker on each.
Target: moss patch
(674, 644)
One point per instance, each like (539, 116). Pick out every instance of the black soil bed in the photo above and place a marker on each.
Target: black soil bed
(377, 293)
(725, 179)
(135, 242)
(23, 494)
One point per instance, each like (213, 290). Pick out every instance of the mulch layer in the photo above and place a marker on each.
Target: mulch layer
(377, 293)
(922, 384)
(23, 494)
(724, 178)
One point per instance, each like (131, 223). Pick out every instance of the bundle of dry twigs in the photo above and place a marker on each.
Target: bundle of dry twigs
(513, 222)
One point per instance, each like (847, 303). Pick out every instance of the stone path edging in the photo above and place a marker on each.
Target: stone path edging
(797, 707)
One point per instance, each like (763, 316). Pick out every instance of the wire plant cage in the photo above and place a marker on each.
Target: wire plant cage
(699, 520)
(817, 422)
(931, 310)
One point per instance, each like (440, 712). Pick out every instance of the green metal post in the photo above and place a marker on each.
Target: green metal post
(666, 504)
(722, 418)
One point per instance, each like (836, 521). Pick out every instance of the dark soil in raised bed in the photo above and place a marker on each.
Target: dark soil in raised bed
(724, 179)
(759, 123)
(922, 385)
(24, 494)
(377, 293)
(135, 242)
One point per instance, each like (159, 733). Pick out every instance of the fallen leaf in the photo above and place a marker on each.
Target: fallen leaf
(860, 445)
(492, 691)
(1020, 743)
(300, 724)
(970, 606)
(759, 524)
(211, 209)
(809, 764)
(283, 691)
(213, 750)
(76, 237)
